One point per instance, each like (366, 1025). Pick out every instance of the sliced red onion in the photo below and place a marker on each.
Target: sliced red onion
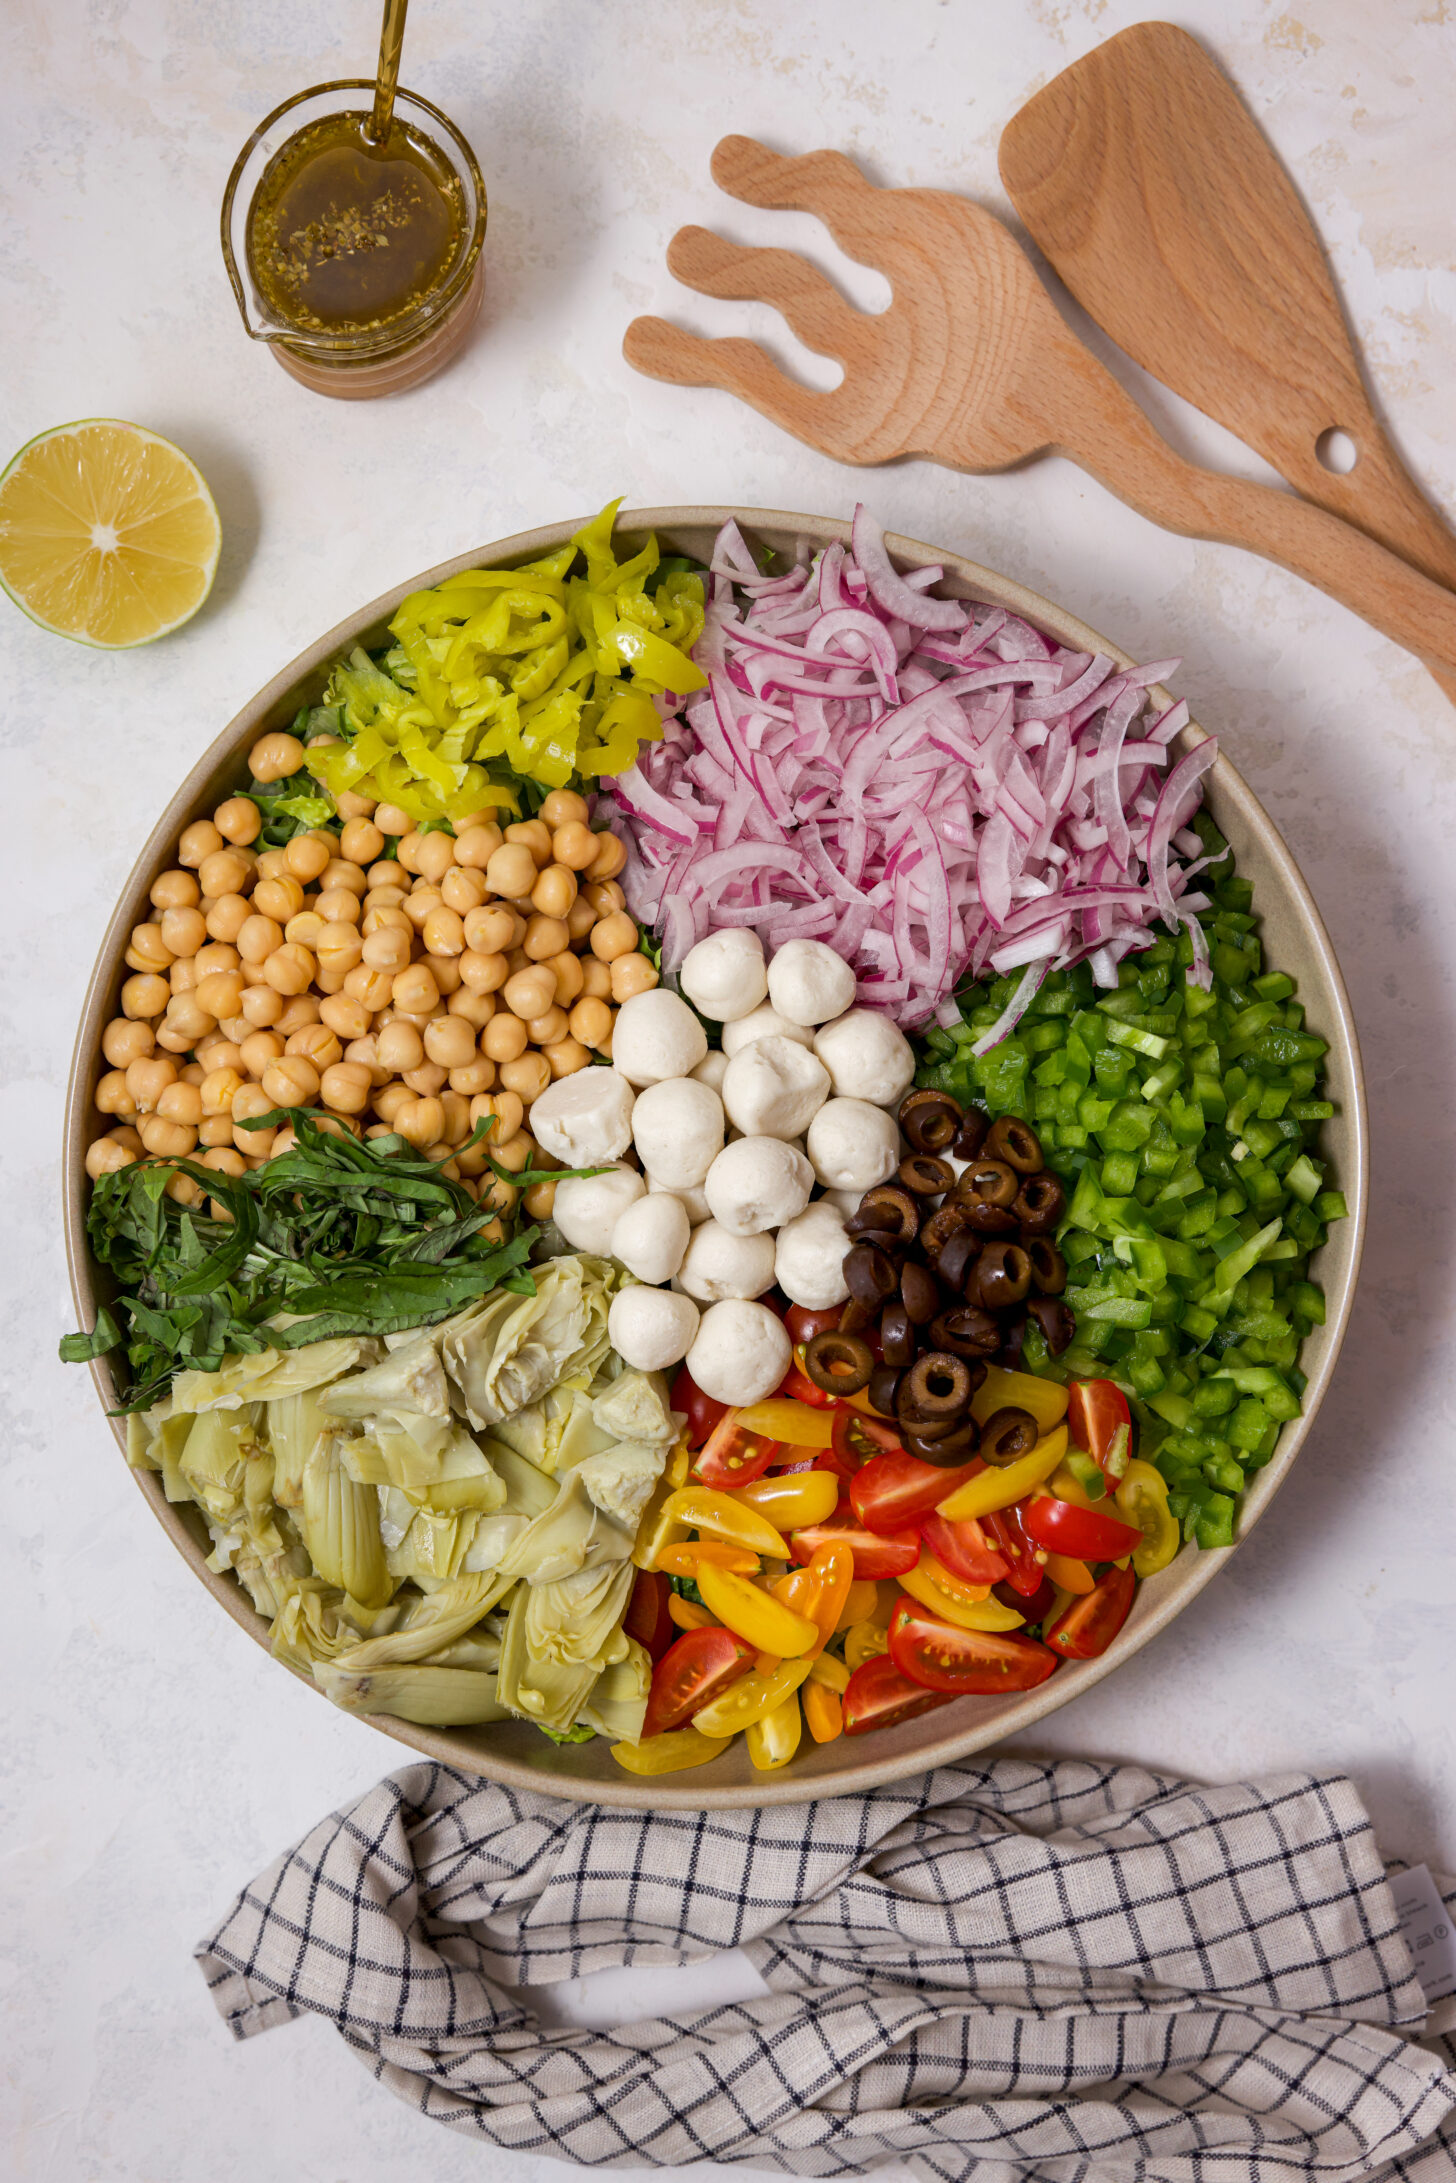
(889, 590)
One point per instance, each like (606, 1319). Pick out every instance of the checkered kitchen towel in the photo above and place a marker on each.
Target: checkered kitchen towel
(1063, 1973)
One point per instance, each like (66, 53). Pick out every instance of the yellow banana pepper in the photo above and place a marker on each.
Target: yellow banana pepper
(1044, 1400)
(749, 1699)
(992, 1488)
(794, 1423)
(701, 1508)
(753, 1614)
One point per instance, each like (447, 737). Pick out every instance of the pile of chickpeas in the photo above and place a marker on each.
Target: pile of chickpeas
(411, 995)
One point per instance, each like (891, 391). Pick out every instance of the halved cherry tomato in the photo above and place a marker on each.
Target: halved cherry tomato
(801, 1324)
(791, 1423)
(796, 1386)
(1031, 1606)
(891, 1492)
(876, 1553)
(879, 1696)
(1024, 1573)
(1096, 1412)
(759, 1619)
(1090, 1623)
(858, 1439)
(696, 1668)
(682, 1558)
(733, 1457)
(820, 1590)
(791, 1499)
(703, 1413)
(939, 1656)
(963, 1549)
(1083, 1533)
(647, 1618)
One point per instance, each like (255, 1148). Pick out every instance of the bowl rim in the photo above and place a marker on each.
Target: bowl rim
(904, 1752)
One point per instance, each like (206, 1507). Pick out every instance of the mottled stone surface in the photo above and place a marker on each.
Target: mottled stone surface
(155, 1758)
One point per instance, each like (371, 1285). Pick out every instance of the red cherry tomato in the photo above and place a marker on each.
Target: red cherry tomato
(1091, 1622)
(941, 1656)
(1031, 1606)
(733, 1457)
(879, 1696)
(801, 1324)
(892, 1492)
(647, 1618)
(703, 1412)
(698, 1667)
(963, 1549)
(858, 1438)
(798, 1387)
(1096, 1412)
(1084, 1533)
(876, 1553)
(1024, 1573)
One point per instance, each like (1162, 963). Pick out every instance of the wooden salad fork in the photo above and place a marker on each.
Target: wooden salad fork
(973, 365)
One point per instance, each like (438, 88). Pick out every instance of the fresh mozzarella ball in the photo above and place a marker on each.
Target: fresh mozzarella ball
(756, 1183)
(852, 1145)
(765, 1022)
(651, 1329)
(718, 1264)
(656, 1036)
(651, 1236)
(587, 1207)
(774, 1088)
(677, 1128)
(585, 1118)
(724, 975)
(741, 1353)
(867, 1057)
(809, 1257)
(847, 1201)
(711, 1070)
(693, 1200)
(808, 982)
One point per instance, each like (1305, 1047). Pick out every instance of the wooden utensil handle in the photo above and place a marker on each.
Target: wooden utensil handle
(1104, 430)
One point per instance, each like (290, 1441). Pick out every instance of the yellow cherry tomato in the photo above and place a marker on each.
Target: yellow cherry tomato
(1072, 1576)
(828, 1671)
(864, 1597)
(749, 1699)
(679, 1463)
(793, 1499)
(1142, 1498)
(755, 1615)
(823, 1712)
(865, 1641)
(791, 1422)
(991, 1489)
(659, 1528)
(683, 1559)
(773, 1741)
(701, 1508)
(1042, 1399)
(969, 1606)
(688, 1615)
(820, 1590)
(671, 1752)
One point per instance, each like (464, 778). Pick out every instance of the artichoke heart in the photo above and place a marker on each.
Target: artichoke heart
(618, 1702)
(427, 1625)
(573, 1534)
(340, 1521)
(434, 1697)
(576, 1621)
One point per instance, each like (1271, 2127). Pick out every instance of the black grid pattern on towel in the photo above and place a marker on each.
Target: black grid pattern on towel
(1062, 1972)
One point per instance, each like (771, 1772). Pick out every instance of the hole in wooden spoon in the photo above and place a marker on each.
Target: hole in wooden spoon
(1337, 451)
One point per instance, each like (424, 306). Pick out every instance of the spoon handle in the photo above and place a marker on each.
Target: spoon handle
(1101, 427)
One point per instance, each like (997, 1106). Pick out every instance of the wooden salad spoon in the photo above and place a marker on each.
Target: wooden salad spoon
(973, 365)
(1149, 186)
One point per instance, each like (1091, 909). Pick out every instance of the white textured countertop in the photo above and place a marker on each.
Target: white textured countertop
(155, 1758)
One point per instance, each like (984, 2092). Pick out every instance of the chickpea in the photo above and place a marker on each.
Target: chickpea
(346, 1087)
(308, 856)
(167, 1140)
(262, 1007)
(457, 1118)
(419, 904)
(580, 919)
(220, 1089)
(491, 929)
(338, 947)
(399, 1047)
(392, 821)
(545, 937)
(337, 906)
(104, 1156)
(147, 949)
(535, 835)
(305, 928)
(124, 1042)
(540, 1200)
(183, 1190)
(188, 1019)
(273, 757)
(443, 1156)
(184, 931)
(360, 841)
(388, 1102)
(504, 1039)
(388, 917)
(296, 1013)
(174, 891)
(386, 873)
(428, 1080)
(416, 992)
(345, 1017)
(434, 857)
(387, 949)
(475, 845)
(221, 993)
(291, 1081)
(183, 978)
(344, 872)
(351, 805)
(605, 896)
(284, 1140)
(122, 1133)
(505, 1109)
(181, 1103)
(574, 846)
(365, 1051)
(279, 899)
(590, 1021)
(316, 1043)
(226, 871)
(462, 891)
(613, 936)
(530, 992)
(227, 917)
(193, 1073)
(514, 1154)
(511, 870)
(476, 1008)
(239, 821)
(236, 1028)
(445, 969)
(200, 839)
(527, 1077)
(449, 1041)
(475, 1075)
(271, 865)
(444, 931)
(146, 1081)
(216, 956)
(555, 891)
(257, 937)
(548, 1027)
(419, 1121)
(371, 988)
(564, 807)
(215, 1129)
(610, 857)
(632, 974)
(114, 1095)
(290, 968)
(565, 1056)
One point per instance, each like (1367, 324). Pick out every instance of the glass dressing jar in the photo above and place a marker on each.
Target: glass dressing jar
(358, 263)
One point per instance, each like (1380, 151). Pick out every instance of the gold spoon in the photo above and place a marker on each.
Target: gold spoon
(386, 80)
